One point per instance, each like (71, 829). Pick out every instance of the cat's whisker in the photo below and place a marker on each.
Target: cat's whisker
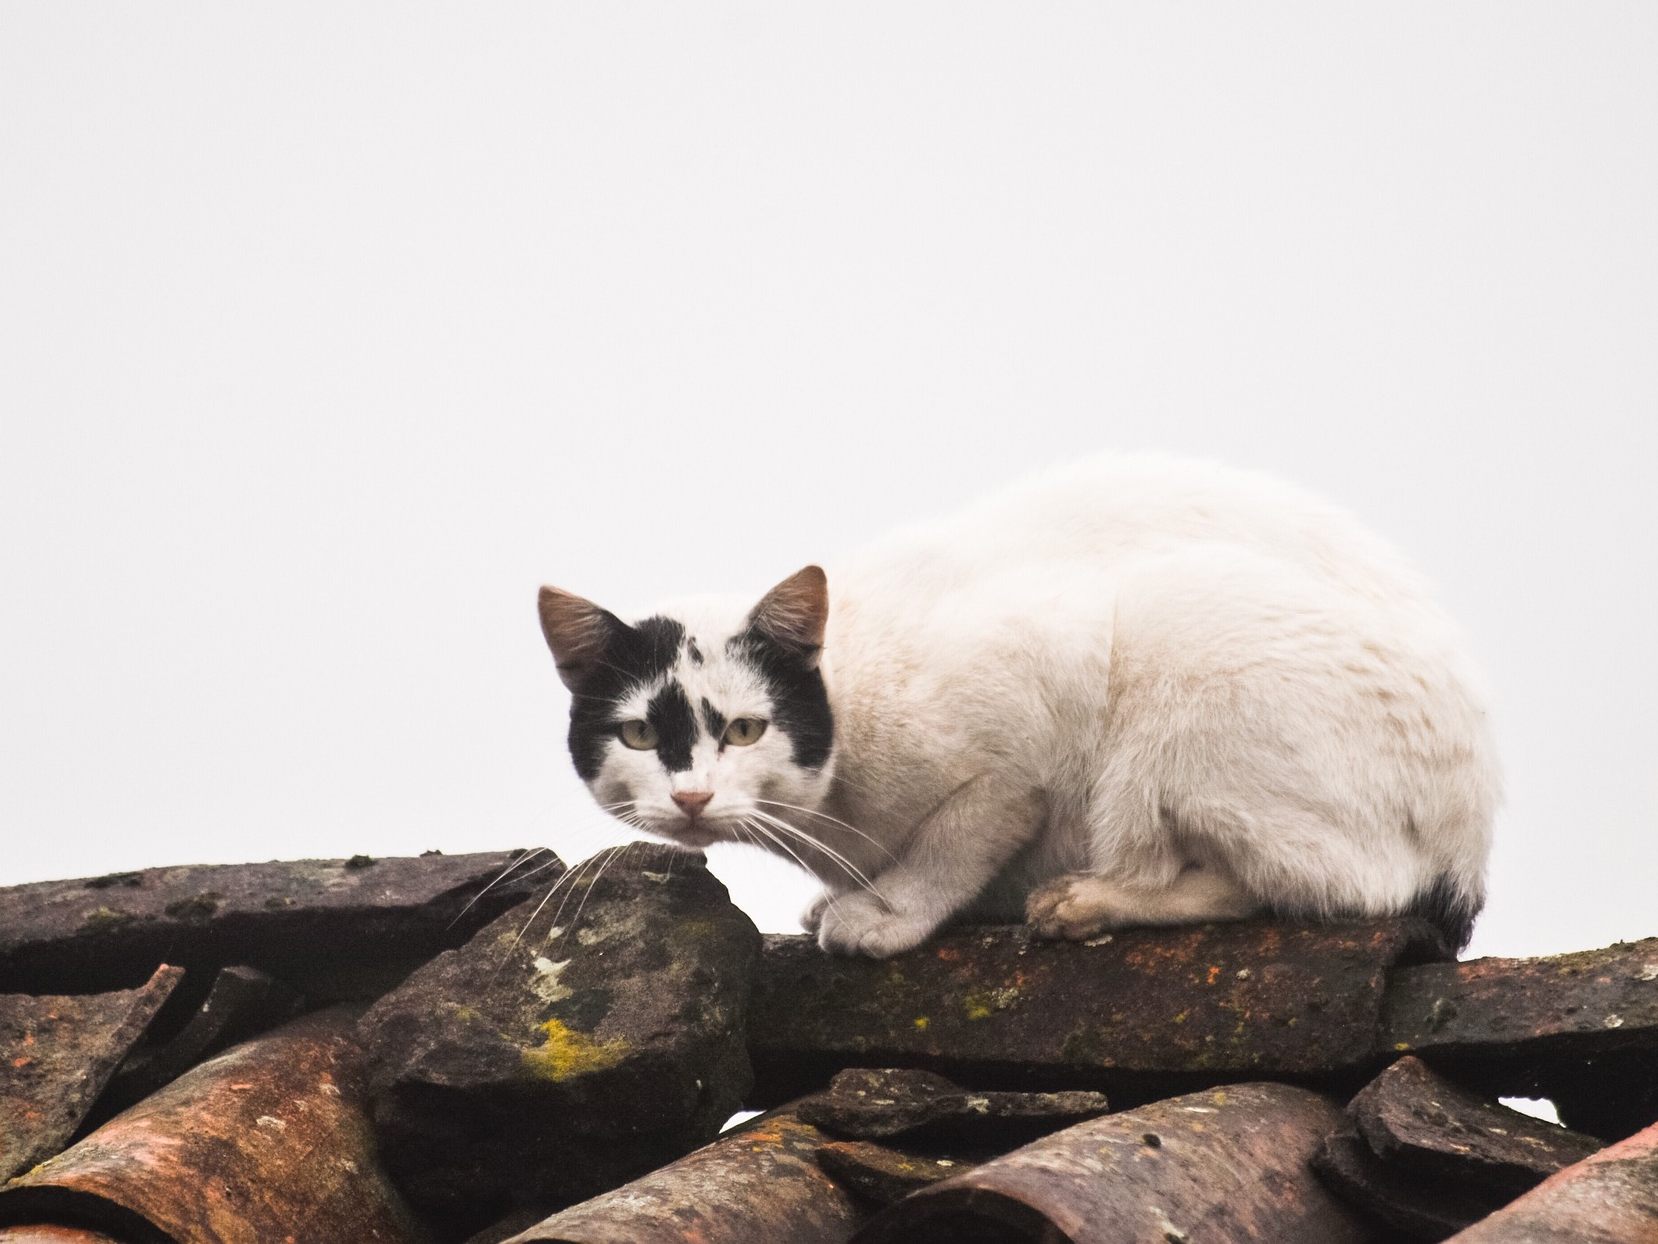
(564, 881)
(834, 820)
(784, 847)
(852, 870)
(592, 885)
(500, 877)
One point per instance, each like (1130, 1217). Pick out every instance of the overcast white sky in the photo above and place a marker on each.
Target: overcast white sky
(327, 332)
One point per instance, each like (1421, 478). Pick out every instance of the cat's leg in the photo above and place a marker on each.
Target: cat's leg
(1078, 906)
(946, 863)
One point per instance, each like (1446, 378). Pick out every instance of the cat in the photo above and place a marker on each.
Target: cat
(1134, 691)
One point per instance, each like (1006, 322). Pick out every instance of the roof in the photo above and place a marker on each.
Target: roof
(490, 1048)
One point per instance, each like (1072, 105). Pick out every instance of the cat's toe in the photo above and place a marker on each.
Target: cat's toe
(1068, 909)
(812, 918)
(859, 924)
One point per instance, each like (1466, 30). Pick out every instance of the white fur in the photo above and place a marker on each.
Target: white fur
(1139, 690)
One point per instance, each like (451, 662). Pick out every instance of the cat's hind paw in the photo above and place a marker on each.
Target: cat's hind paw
(860, 924)
(1073, 908)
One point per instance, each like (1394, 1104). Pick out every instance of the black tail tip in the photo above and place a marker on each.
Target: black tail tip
(1450, 909)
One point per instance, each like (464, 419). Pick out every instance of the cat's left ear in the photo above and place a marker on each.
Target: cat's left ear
(795, 612)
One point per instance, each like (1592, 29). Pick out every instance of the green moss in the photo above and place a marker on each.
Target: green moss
(106, 918)
(566, 1052)
(196, 907)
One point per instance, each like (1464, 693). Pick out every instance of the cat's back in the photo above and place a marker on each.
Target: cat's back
(1112, 510)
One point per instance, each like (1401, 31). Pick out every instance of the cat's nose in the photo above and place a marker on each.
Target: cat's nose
(692, 802)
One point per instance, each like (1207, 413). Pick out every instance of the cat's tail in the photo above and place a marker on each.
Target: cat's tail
(1451, 907)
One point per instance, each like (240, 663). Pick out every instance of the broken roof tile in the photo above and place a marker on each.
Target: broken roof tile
(59, 1053)
(1215, 1167)
(1406, 1204)
(241, 1003)
(288, 918)
(1422, 1122)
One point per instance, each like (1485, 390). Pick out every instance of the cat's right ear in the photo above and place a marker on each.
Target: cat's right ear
(577, 631)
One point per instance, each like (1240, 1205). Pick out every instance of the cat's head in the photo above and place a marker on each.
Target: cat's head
(690, 721)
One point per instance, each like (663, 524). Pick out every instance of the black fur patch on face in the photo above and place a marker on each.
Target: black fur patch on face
(694, 652)
(800, 705)
(714, 720)
(633, 655)
(676, 729)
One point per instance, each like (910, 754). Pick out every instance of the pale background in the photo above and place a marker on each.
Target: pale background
(327, 332)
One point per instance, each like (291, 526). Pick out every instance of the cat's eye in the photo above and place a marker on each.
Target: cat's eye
(744, 730)
(639, 735)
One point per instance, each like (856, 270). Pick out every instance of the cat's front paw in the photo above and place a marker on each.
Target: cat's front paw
(860, 924)
(812, 917)
(1072, 908)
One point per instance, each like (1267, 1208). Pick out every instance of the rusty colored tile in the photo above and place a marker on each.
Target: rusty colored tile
(331, 928)
(878, 1175)
(1214, 1167)
(761, 1183)
(56, 1056)
(868, 1103)
(241, 1003)
(571, 1045)
(1140, 1013)
(1609, 1198)
(1579, 1028)
(268, 1142)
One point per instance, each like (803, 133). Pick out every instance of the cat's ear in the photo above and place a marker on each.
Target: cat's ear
(795, 611)
(577, 631)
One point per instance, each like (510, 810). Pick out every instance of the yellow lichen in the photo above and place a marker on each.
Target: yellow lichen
(983, 1003)
(567, 1053)
(921, 1022)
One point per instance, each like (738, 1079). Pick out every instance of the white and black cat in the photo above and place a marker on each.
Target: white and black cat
(1135, 691)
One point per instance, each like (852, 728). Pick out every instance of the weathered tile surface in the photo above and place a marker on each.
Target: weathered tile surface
(761, 1183)
(1579, 1028)
(1404, 1203)
(268, 1142)
(1609, 1198)
(570, 1045)
(1215, 1167)
(57, 1053)
(868, 1103)
(879, 1175)
(1141, 1013)
(331, 928)
(1422, 1122)
(241, 1003)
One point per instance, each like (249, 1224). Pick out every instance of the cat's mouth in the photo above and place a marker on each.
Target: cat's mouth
(695, 835)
